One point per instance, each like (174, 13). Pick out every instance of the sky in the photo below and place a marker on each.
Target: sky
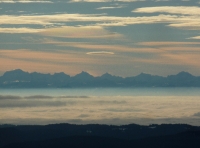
(121, 37)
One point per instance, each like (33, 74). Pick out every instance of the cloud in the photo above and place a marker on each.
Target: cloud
(92, 1)
(30, 103)
(197, 114)
(189, 56)
(83, 115)
(20, 30)
(112, 7)
(184, 10)
(168, 43)
(104, 109)
(80, 32)
(84, 97)
(104, 1)
(108, 48)
(110, 102)
(51, 61)
(43, 56)
(9, 97)
(8, 101)
(188, 26)
(58, 19)
(187, 17)
(94, 23)
(120, 110)
(126, 1)
(100, 53)
(196, 38)
(38, 97)
(47, 61)
(25, 1)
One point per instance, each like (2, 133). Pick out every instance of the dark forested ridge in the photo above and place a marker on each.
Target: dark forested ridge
(100, 136)
(20, 79)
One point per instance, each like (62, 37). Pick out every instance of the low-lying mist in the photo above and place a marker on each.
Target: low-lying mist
(44, 109)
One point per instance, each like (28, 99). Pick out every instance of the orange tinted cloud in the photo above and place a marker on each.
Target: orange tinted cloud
(111, 48)
(168, 43)
(80, 32)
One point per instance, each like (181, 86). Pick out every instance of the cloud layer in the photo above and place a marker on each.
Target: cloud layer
(104, 109)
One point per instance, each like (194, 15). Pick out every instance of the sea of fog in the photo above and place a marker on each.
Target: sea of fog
(100, 106)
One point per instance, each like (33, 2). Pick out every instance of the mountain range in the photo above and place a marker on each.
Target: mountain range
(21, 79)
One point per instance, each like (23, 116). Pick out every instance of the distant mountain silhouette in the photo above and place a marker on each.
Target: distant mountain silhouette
(20, 79)
(100, 136)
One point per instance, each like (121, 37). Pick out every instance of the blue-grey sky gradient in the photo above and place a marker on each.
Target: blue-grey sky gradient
(122, 37)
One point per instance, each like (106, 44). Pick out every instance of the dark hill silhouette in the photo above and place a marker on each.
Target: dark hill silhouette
(20, 79)
(100, 136)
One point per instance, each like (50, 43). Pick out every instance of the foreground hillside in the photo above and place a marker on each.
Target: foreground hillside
(100, 136)
(20, 79)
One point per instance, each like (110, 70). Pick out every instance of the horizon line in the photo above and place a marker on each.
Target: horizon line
(96, 76)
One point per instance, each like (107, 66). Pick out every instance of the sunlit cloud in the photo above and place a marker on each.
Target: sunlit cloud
(184, 10)
(161, 0)
(80, 32)
(111, 7)
(110, 48)
(25, 1)
(55, 21)
(92, 1)
(35, 97)
(130, 0)
(104, 1)
(20, 30)
(187, 17)
(196, 38)
(189, 25)
(168, 43)
(109, 20)
(100, 53)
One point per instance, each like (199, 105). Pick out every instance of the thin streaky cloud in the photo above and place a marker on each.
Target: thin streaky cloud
(104, 1)
(116, 7)
(25, 1)
(80, 32)
(167, 58)
(126, 1)
(168, 43)
(100, 53)
(92, 1)
(188, 25)
(100, 20)
(20, 30)
(196, 38)
(186, 10)
(6, 97)
(110, 48)
(31, 103)
(44, 56)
